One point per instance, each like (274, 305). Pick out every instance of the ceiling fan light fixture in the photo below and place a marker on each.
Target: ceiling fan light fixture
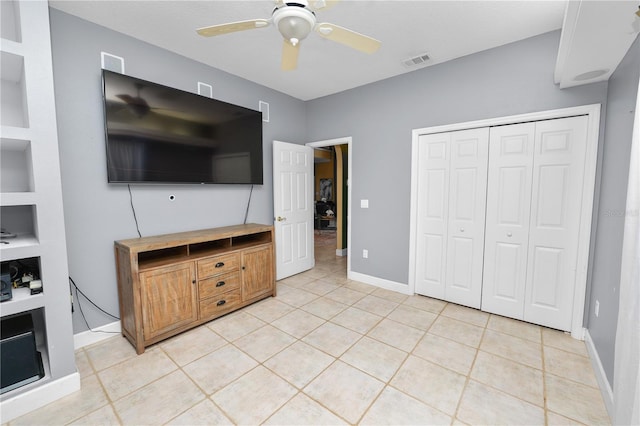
(294, 23)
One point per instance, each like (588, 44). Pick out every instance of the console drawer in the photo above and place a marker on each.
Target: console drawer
(220, 304)
(218, 265)
(219, 284)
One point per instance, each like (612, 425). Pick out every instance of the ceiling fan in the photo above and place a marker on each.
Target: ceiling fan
(295, 20)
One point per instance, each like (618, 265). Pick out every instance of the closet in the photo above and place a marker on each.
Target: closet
(452, 188)
(498, 218)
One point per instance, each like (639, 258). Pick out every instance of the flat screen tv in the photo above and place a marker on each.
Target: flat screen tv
(158, 134)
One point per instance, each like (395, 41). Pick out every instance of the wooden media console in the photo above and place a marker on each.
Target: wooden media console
(170, 283)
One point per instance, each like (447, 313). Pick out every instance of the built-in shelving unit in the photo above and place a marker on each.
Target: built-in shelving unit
(31, 200)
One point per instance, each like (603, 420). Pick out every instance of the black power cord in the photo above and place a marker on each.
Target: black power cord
(78, 291)
(133, 209)
(246, 213)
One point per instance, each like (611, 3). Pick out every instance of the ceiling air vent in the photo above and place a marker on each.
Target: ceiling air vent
(416, 60)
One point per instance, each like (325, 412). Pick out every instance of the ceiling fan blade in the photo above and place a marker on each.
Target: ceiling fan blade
(290, 55)
(232, 27)
(321, 5)
(347, 37)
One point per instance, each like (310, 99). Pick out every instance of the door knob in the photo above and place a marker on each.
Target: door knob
(281, 219)
(461, 229)
(509, 234)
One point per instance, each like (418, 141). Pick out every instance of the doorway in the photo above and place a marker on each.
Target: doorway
(332, 198)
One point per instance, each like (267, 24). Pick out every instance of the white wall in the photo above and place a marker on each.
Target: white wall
(621, 102)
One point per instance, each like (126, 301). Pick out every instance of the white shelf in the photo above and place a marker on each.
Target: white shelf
(17, 198)
(22, 301)
(21, 247)
(15, 133)
(11, 46)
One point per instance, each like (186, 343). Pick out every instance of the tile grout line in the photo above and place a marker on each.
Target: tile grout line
(206, 397)
(544, 380)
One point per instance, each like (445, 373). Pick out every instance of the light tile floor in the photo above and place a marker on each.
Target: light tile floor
(328, 350)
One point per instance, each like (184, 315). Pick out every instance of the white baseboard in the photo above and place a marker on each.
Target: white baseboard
(88, 337)
(379, 282)
(38, 397)
(601, 377)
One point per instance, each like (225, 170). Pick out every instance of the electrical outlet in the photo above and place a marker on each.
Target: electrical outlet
(597, 308)
(365, 253)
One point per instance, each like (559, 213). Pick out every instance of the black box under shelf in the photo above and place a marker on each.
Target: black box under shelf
(21, 363)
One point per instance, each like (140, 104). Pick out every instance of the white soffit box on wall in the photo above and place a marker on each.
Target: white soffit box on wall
(112, 62)
(596, 35)
(205, 89)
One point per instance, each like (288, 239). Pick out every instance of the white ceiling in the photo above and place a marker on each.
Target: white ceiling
(444, 30)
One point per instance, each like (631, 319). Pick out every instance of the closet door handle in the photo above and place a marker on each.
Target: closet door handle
(461, 229)
(509, 234)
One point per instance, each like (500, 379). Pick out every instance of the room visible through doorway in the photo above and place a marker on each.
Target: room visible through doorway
(331, 202)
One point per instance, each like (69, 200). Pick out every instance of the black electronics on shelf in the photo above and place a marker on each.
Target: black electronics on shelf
(21, 361)
(6, 290)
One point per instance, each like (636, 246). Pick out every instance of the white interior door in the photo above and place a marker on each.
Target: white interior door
(466, 216)
(293, 208)
(556, 200)
(433, 199)
(507, 221)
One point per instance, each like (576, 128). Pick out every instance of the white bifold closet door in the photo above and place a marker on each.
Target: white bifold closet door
(451, 215)
(534, 203)
(508, 214)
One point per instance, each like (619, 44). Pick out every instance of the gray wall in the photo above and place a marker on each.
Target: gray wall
(621, 104)
(97, 213)
(512, 79)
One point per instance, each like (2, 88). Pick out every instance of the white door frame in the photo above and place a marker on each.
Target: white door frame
(347, 140)
(588, 192)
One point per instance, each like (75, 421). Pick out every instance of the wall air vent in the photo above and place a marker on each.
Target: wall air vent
(416, 60)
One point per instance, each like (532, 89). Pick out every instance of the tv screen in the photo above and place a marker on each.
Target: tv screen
(158, 134)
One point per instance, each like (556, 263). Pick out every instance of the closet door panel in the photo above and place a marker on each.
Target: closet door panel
(507, 219)
(555, 221)
(467, 202)
(433, 201)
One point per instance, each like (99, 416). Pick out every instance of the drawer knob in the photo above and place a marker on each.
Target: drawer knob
(193, 281)
(219, 264)
(221, 302)
(220, 283)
